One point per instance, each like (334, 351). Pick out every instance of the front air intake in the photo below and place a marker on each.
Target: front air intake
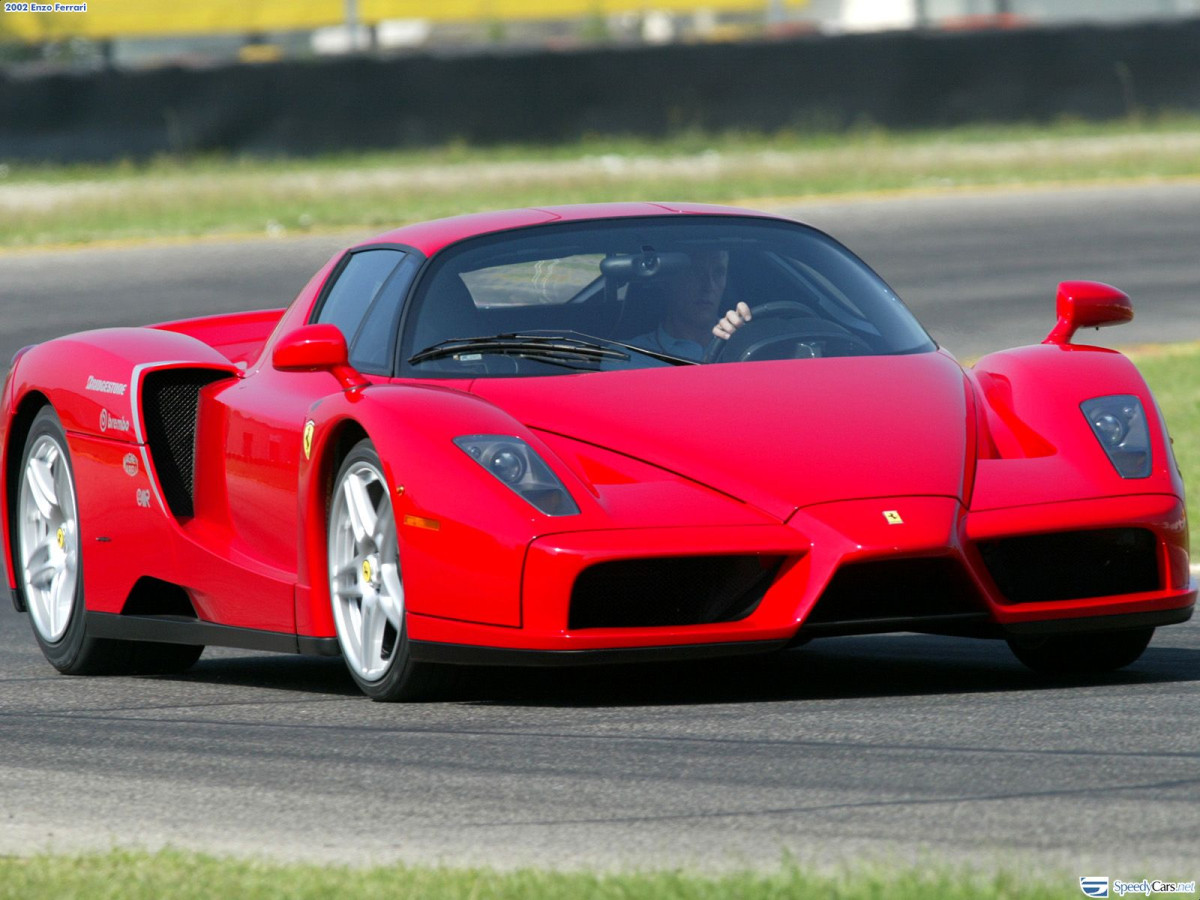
(924, 594)
(1073, 565)
(664, 591)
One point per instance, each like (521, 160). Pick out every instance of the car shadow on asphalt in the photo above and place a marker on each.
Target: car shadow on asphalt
(834, 668)
(275, 671)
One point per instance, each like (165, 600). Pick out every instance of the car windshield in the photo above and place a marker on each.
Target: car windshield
(642, 293)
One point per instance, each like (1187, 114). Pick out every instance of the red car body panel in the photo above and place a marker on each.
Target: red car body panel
(791, 418)
(812, 465)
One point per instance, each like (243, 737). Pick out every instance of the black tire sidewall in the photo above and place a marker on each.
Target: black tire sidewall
(1082, 654)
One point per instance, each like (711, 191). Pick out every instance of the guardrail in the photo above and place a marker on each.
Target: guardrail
(898, 80)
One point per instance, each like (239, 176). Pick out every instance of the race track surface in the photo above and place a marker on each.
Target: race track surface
(898, 748)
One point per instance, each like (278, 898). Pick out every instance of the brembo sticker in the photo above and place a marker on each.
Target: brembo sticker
(130, 462)
(106, 387)
(116, 423)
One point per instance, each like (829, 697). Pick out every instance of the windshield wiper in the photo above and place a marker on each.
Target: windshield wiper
(552, 348)
(560, 347)
(569, 335)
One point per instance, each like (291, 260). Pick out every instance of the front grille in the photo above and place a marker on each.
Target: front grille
(1072, 565)
(663, 591)
(896, 595)
(169, 399)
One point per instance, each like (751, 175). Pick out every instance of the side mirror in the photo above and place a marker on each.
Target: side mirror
(317, 348)
(1088, 304)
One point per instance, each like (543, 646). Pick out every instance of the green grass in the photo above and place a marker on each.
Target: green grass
(123, 875)
(1173, 373)
(216, 195)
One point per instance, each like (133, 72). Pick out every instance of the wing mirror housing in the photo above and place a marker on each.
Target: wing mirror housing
(317, 348)
(1088, 304)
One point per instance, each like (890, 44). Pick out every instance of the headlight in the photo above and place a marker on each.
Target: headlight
(1119, 423)
(514, 463)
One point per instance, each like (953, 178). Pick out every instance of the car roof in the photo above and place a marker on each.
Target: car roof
(433, 236)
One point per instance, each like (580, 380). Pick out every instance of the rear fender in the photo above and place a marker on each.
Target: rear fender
(93, 378)
(13, 430)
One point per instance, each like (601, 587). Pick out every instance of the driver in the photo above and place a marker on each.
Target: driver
(693, 303)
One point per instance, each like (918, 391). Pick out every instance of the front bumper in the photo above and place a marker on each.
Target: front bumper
(855, 567)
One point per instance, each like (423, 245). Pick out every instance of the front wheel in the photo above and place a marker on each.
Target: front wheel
(366, 586)
(1081, 654)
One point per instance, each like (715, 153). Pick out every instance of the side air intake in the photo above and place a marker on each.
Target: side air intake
(154, 597)
(169, 402)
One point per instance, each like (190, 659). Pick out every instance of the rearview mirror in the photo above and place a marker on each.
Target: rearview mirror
(623, 268)
(1088, 304)
(317, 348)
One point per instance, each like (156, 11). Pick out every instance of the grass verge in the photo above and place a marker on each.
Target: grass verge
(1173, 373)
(218, 195)
(124, 875)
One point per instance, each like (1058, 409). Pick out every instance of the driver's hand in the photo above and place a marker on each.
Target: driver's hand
(732, 321)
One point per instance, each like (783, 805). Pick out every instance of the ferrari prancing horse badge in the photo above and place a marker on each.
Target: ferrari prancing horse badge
(308, 433)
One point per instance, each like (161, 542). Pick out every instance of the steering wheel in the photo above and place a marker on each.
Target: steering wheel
(752, 341)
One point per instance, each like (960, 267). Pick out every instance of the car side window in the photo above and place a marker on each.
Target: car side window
(360, 283)
(373, 346)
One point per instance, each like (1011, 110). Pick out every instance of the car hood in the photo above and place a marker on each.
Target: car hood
(779, 435)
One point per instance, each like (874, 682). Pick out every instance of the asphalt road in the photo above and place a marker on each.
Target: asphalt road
(899, 749)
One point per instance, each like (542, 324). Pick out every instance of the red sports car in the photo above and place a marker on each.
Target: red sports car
(514, 438)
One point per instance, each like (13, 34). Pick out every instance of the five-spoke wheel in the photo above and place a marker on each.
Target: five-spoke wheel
(48, 534)
(365, 582)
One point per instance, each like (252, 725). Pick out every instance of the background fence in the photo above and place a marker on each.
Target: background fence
(895, 79)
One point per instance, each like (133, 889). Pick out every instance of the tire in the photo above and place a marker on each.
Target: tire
(1091, 653)
(366, 587)
(48, 559)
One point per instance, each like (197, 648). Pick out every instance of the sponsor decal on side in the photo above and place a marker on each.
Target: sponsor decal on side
(116, 423)
(130, 464)
(106, 387)
(143, 498)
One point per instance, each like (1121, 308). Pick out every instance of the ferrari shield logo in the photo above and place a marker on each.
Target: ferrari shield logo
(892, 517)
(308, 433)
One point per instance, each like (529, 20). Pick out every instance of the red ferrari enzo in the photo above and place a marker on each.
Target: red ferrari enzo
(513, 438)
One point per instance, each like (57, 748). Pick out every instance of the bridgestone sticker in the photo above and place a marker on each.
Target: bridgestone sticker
(106, 387)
